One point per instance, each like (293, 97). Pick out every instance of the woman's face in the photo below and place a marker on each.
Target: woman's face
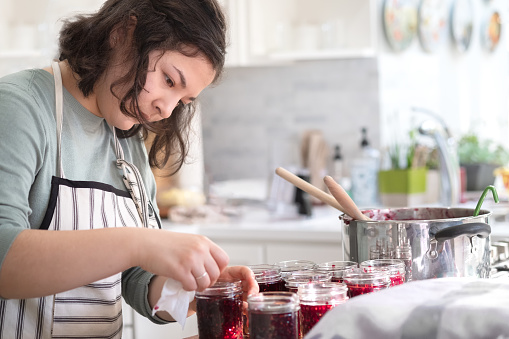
(172, 78)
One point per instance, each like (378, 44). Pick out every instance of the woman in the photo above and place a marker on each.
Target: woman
(78, 220)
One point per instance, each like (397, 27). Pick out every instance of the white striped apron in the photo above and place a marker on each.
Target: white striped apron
(94, 310)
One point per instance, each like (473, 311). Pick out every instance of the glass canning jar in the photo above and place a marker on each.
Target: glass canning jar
(273, 315)
(359, 282)
(395, 267)
(337, 268)
(289, 266)
(316, 299)
(296, 278)
(219, 311)
(268, 277)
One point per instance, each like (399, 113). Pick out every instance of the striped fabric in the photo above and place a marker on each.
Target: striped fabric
(94, 310)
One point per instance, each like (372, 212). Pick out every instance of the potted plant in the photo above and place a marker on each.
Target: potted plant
(480, 158)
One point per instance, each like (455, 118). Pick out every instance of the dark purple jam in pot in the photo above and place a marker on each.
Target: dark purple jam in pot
(310, 315)
(219, 312)
(273, 326)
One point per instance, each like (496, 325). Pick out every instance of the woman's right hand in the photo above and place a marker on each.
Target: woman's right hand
(192, 259)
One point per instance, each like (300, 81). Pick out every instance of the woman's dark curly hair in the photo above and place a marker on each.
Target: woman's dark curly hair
(162, 25)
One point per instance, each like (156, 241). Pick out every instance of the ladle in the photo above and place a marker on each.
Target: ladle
(344, 199)
(307, 187)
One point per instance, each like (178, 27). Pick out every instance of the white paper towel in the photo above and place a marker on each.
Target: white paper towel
(174, 300)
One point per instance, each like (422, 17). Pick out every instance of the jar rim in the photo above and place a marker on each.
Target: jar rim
(222, 288)
(273, 302)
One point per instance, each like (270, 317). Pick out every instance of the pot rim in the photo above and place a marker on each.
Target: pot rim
(482, 214)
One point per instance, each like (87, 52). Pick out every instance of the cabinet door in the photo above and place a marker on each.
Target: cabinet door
(242, 253)
(318, 253)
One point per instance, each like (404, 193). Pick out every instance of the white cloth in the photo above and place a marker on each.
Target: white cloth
(435, 308)
(174, 300)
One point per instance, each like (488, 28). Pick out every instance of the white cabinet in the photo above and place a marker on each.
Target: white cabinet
(29, 30)
(268, 31)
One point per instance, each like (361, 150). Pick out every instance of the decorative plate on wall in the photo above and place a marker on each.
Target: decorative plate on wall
(491, 31)
(462, 22)
(400, 22)
(432, 23)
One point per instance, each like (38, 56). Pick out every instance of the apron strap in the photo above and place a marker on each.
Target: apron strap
(133, 181)
(59, 99)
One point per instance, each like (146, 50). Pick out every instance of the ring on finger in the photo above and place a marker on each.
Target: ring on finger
(202, 276)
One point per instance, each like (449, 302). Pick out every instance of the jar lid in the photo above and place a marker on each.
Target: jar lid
(273, 302)
(222, 288)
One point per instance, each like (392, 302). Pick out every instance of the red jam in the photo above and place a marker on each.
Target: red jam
(310, 315)
(358, 289)
(273, 326)
(272, 286)
(219, 311)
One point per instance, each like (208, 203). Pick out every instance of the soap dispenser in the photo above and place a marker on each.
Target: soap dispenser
(337, 164)
(364, 173)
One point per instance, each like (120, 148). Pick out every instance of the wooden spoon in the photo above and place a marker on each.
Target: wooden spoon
(344, 199)
(307, 187)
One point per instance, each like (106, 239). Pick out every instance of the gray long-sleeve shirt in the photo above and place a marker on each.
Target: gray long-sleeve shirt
(28, 160)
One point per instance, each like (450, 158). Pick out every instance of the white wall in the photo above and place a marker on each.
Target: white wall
(469, 90)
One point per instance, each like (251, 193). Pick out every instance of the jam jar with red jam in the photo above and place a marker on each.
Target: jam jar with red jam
(395, 267)
(296, 278)
(316, 299)
(360, 282)
(289, 266)
(273, 315)
(219, 311)
(268, 277)
(337, 268)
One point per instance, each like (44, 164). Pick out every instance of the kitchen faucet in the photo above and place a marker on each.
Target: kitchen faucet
(449, 163)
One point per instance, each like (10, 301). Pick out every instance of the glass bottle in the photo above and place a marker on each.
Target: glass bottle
(219, 311)
(316, 299)
(273, 315)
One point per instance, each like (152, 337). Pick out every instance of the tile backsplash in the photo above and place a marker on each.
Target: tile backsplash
(253, 119)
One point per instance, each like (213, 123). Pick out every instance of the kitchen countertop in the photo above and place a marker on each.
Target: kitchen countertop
(257, 223)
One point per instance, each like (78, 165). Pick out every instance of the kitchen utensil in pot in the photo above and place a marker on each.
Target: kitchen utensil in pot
(483, 195)
(307, 187)
(440, 242)
(344, 199)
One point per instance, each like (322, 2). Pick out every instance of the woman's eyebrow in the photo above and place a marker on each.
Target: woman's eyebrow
(183, 81)
(182, 77)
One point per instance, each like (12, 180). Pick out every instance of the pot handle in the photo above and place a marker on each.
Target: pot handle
(479, 229)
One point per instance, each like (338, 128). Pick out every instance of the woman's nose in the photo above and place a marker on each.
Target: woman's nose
(166, 107)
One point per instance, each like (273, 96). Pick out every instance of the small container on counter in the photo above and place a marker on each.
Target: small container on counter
(268, 277)
(297, 278)
(396, 269)
(273, 315)
(337, 269)
(316, 299)
(360, 282)
(219, 311)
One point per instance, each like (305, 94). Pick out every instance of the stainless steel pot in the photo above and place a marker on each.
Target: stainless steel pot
(433, 242)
